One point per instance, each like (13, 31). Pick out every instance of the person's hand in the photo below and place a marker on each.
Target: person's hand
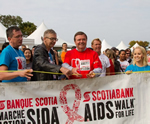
(74, 71)
(128, 72)
(26, 73)
(91, 74)
(66, 71)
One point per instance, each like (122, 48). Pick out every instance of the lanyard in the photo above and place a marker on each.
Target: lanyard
(50, 56)
(17, 52)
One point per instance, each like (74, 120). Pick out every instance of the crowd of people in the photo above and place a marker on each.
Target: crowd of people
(45, 63)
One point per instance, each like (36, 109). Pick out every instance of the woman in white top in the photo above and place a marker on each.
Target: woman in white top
(122, 60)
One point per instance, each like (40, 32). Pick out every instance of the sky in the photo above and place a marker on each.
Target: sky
(112, 20)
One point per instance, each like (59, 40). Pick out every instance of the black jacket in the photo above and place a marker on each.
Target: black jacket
(41, 63)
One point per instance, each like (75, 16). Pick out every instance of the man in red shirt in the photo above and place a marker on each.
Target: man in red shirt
(82, 61)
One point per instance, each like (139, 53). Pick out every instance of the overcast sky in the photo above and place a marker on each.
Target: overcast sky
(112, 20)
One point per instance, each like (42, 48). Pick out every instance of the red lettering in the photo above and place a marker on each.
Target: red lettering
(122, 93)
(107, 93)
(30, 102)
(8, 104)
(22, 103)
(103, 95)
(51, 100)
(126, 92)
(110, 94)
(19, 103)
(118, 93)
(98, 98)
(113, 94)
(37, 101)
(55, 100)
(94, 95)
(45, 101)
(131, 92)
(13, 104)
(41, 99)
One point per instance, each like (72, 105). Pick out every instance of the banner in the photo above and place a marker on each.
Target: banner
(119, 99)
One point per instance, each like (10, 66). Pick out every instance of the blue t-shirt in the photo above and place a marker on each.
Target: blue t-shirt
(15, 60)
(135, 68)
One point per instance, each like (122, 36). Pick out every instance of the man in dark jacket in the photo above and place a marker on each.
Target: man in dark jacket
(44, 59)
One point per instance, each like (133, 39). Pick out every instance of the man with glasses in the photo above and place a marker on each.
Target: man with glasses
(44, 59)
(13, 59)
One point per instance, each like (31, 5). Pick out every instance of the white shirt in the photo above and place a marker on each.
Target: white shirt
(123, 65)
(105, 64)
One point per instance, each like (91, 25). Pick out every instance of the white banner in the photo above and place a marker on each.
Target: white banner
(120, 99)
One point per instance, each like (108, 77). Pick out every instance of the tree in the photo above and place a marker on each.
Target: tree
(8, 20)
(141, 43)
(27, 28)
(132, 43)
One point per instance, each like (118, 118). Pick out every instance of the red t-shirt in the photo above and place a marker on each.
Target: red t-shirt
(86, 61)
(112, 70)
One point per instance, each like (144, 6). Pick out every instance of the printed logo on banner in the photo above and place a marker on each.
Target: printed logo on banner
(105, 104)
(2, 106)
(96, 106)
(71, 113)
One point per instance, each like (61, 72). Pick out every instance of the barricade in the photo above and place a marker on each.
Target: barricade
(119, 99)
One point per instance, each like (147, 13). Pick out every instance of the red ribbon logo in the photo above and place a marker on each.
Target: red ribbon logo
(2, 106)
(19, 63)
(71, 113)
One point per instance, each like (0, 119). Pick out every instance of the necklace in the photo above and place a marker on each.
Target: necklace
(21, 61)
(17, 52)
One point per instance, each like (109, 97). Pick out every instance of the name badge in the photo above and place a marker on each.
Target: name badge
(83, 65)
(21, 61)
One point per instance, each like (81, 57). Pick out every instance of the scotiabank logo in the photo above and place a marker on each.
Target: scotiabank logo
(2, 106)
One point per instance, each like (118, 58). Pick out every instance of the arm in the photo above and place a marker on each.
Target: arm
(97, 65)
(59, 56)
(73, 70)
(56, 57)
(42, 63)
(107, 66)
(108, 71)
(66, 71)
(128, 69)
(9, 76)
(128, 72)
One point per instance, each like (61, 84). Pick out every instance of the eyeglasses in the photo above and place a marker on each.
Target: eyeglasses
(52, 39)
(127, 53)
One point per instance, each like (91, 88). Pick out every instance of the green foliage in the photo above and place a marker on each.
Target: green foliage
(8, 20)
(132, 43)
(141, 43)
(27, 28)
